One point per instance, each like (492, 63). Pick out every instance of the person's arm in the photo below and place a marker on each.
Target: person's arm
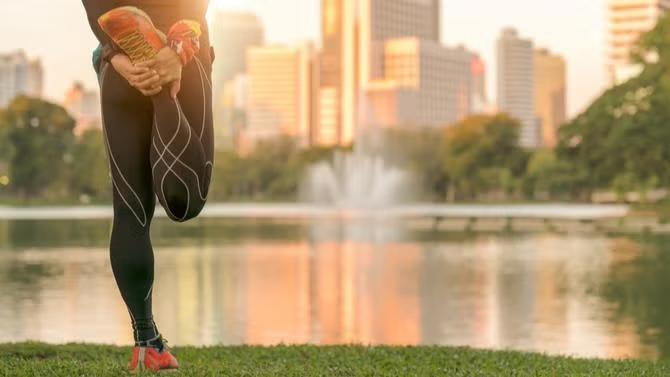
(95, 9)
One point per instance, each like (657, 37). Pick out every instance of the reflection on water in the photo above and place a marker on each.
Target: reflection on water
(344, 281)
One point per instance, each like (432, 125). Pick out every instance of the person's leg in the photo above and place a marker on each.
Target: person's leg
(127, 118)
(183, 142)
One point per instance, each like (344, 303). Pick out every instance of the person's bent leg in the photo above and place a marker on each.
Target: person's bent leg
(182, 142)
(181, 159)
(127, 118)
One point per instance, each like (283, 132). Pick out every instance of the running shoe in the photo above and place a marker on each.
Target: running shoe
(134, 32)
(184, 38)
(152, 359)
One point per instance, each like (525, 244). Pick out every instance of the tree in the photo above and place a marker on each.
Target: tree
(88, 167)
(273, 170)
(481, 154)
(228, 177)
(40, 134)
(419, 151)
(624, 134)
(548, 176)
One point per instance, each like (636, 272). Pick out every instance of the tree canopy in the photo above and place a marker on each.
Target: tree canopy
(39, 134)
(482, 154)
(623, 138)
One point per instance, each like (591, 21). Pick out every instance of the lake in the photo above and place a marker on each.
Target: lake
(345, 280)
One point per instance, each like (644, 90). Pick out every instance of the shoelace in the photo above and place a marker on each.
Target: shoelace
(135, 45)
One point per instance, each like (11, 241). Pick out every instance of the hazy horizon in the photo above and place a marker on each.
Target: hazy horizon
(58, 33)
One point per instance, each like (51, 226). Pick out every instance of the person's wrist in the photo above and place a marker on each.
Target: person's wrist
(178, 59)
(116, 60)
(182, 58)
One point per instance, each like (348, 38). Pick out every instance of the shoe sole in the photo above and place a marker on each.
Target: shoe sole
(145, 15)
(145, 44)
(172, 370)
(134, 10)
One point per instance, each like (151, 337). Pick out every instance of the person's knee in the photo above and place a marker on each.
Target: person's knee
(181, 209)
(133, 213)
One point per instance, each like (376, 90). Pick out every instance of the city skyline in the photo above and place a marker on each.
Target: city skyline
(582, 44)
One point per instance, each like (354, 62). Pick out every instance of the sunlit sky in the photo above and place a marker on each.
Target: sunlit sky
(57, 31)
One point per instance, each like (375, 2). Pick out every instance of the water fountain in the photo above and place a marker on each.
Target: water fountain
(363, 178)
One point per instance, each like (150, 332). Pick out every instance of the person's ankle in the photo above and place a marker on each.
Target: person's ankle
(146, 334)
(157, 342)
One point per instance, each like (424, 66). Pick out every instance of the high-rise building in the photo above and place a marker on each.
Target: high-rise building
(480, 101)
(381, 20)
(627, 21)
(340, 90)
(235, 96)
(516, 89)
(232, 34)
(280, 94)
(19, 75)
(550, 103)
(84, 106)
(425, 84)
(354, 36)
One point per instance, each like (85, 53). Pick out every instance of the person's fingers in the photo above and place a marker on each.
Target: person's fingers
(146, 64)
(151, 82)
(142, 77)
(152, 91)
(155, 91)
(137, 70)
(165, 75)
(174, 89)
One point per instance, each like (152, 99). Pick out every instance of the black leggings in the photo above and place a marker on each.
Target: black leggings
(157, 147)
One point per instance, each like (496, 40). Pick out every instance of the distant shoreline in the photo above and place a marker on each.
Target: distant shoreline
(496, 218)
(553, 211)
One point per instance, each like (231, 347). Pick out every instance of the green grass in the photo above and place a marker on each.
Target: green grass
(38, 359)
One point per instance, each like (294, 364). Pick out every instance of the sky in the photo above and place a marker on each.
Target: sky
(57, 32)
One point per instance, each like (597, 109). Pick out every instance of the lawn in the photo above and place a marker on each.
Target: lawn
(38, 359)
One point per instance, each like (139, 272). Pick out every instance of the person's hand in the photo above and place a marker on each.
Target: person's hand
(168, 65)
(144, 79)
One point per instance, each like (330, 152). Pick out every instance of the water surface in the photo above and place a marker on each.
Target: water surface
(330, 281)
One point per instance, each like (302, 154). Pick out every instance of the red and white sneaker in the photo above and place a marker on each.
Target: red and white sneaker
(152, 359)
(134, 32)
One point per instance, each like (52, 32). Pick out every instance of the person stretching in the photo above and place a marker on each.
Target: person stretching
(156, 99)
